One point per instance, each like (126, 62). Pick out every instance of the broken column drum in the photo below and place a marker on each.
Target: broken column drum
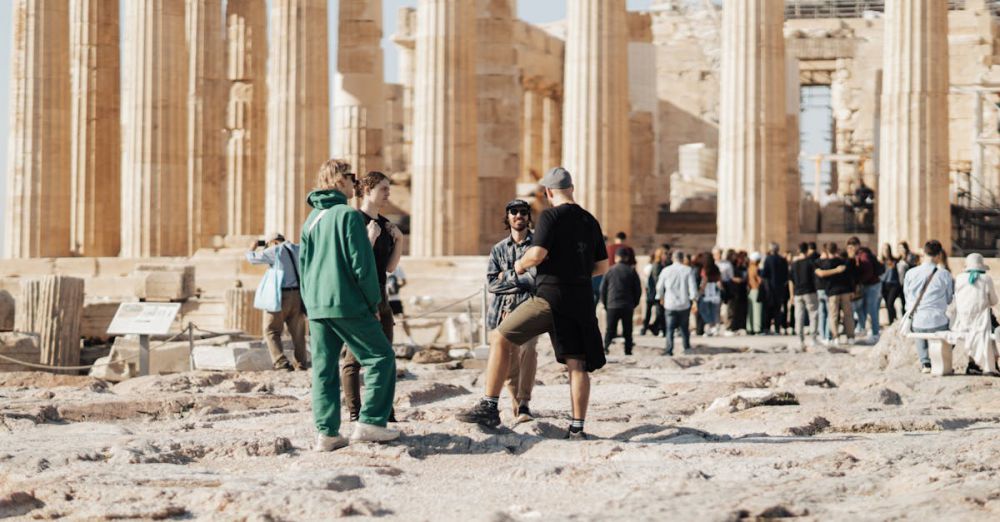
(52, 307)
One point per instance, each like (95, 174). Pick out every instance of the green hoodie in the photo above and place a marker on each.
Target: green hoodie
(336, 260)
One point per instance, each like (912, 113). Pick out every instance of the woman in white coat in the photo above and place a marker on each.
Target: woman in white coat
(974, 296)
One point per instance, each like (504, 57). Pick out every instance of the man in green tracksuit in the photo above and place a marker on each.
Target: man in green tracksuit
(341, 292)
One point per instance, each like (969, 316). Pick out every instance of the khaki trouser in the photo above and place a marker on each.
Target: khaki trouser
(350, 368)
(837, 304)
(521, 377)
(293, 316)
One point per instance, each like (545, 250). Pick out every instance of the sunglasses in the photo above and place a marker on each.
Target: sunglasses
(519, 212)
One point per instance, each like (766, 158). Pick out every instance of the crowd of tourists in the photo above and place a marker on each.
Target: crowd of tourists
(343, 279)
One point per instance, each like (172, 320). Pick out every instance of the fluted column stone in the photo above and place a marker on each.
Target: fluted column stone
(298, 110)
(359, 100)
(596, 109)
(445, 186)
(913, 197)
(95, 57)
(551, 130)
(532, 139)
(405, 41)
(752, 174)
(246, 116)
(37, 217)
(206, 120)
(154, 130)
(499, 92)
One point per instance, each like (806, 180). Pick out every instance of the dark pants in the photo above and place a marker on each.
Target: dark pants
(891, 292)
(350, 368)
(678, 319)
(652, 320)
(624, 316)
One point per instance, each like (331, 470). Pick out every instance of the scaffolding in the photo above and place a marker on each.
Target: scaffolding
(856, 8)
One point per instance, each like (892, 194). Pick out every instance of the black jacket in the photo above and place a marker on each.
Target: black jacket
(621, 287)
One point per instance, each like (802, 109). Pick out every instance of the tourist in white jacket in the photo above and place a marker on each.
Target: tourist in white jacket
(974, 296)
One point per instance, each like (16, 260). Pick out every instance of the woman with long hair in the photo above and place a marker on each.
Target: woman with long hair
(709, 294)
(651, 272)
(738, 303)
(892, 281)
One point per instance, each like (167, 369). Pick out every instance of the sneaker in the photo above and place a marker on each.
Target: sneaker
(973, 368)
(524, 414)
(576, 435)
(483, 413)
(372, 433)
(328, 443)
(926, 368)
(284, 366)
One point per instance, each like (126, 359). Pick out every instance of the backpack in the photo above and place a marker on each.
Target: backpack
(879, 265)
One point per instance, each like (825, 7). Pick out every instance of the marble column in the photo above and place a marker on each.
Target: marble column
(532, 139)
(596, 109)
(752, 209)
(246, 116)
(913, 197)
(445, 207)
(154, 130)
(405, 41)
(498, 89)
(359, 100)
(95, 207)
(298, 110)
(37, 217)
(551, 130)
(206, 121)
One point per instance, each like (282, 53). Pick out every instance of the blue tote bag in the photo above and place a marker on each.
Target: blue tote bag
(268, 296)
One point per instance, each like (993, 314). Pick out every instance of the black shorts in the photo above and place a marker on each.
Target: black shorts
(396, 307)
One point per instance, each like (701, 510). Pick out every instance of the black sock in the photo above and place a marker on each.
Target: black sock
(576, 426)
(493, 401)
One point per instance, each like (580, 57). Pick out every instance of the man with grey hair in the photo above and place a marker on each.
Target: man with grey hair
(676, 289)
(292, 313)
(568, 251)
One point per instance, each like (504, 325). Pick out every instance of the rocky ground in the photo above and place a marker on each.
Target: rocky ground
(741, 428)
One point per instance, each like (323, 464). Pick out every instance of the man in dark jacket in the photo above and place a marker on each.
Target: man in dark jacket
(621, 291)
(775, 276)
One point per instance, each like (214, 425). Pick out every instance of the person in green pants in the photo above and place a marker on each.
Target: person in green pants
(340, 290)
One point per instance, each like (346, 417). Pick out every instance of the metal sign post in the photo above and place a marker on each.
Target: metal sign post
(144, 319)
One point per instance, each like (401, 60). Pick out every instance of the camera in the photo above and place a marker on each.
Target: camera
(261, 243)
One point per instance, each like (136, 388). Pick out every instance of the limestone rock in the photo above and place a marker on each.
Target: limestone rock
(6, 311)
(18, 346)
(51, 306)
(233, 357)
(889, 397)
(164, 282)
(431, 356)
(746, 399)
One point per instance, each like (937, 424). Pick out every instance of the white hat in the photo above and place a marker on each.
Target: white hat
(975, 262)
(755, 256)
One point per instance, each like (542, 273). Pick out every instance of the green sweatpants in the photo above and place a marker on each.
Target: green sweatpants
(364, 338)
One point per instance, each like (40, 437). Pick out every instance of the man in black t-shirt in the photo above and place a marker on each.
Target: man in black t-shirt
(568, 251)
(387, 244)
(839, 280)
(804, 293)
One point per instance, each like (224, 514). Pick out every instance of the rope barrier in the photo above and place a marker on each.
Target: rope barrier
(449, 305)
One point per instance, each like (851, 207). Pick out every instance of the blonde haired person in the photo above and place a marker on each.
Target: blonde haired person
(974, 297)
(340, 288)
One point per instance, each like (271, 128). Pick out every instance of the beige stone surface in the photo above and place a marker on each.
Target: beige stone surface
(445, 217)
(95, 56)
(37, 219)
(155, 282)
(359, 99)
(51, 307)
(206, 114)
(914, 151)
(298, 116)
(752, 177)
(240, 313)
(595, 110)
(154, 130)
(20, 346)
(405, 40)
(246, 116)
(499, 115)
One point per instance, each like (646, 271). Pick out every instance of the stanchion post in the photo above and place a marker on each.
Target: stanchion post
(143, 354)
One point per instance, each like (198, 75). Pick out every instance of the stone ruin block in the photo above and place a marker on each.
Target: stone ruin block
(123, 361)
(6, 311)
(240, 356)
(23, 347)
(97, 318)
(51, 307)
(240, 313)
(164, 282)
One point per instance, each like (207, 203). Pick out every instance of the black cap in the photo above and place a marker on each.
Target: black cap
(517, 203)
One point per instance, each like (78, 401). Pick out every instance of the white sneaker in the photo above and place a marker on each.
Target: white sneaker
(925, 369)
(327, 443)
(372, 433)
